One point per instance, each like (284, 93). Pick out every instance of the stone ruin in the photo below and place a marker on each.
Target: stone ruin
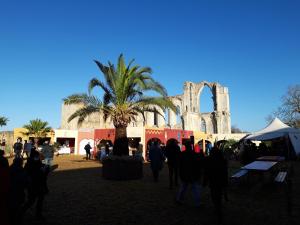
(188, 106)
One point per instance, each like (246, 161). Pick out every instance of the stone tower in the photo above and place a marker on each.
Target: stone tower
(189, 105)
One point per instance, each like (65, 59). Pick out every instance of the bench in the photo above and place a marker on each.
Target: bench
(239, 174)
(280, 178)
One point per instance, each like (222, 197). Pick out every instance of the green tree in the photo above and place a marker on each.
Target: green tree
(3, 121)
(37, 128)
(123, 98)
(235, 129)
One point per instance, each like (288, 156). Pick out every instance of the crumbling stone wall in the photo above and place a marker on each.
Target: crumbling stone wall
(189, 102)
(189, 116)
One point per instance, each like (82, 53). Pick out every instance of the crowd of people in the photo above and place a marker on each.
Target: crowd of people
(194, 168)
(22, 186)
(249, 151)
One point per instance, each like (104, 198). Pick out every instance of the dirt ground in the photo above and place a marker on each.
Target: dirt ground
(80, 196)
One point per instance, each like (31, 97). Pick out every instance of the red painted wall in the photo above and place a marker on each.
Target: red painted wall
(152, 133)
(107, 134)
(177, 134)
(174, 134)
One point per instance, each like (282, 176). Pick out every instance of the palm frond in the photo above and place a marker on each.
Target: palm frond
(144, 70)
(75, 99)
(3, 121)
(141, 111)
(83, 112)
(148, 83)
(37, 127)
(121, 65)
(153, 110)
(84, 99)
(106, 71)
(161, 102)
(97, 83)
(129, 65)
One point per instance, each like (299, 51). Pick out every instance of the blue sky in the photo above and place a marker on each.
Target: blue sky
(47, 50)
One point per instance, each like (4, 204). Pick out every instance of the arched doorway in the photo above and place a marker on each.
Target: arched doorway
(149, 143)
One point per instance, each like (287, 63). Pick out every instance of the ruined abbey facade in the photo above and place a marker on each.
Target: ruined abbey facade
(188, 115)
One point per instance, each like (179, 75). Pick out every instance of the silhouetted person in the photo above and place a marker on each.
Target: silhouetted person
(18, 182)
(4, 189)
(2, 145)
(263, 149)
(190, 173)
(140, 150)
(247, 155)
(172, 154)
(197, 148)
(163, 148)
(27, 148)
(156, 159)
(107, 148)
(37, 187)
(87, 149)
(18, 146)
(208, 147)
(3, 161)
(253, 153)
(47, 153)
(216, 175)
(102, 152)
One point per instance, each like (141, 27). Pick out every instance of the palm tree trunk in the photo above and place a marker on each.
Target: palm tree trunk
(121, 142)
(121, 132)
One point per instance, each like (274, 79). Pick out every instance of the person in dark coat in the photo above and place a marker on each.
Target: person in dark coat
(18, 182)
(3, 161)
(190, 172)
(27, 148)
(88, 148)
(216, 175)
(18, 146)
(4, 189)
(172, 154)
(107, 149)
(156, 159)
(37, 186)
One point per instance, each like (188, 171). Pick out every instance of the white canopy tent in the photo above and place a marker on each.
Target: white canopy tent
(278, 129)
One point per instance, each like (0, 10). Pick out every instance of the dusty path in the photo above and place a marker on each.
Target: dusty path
(79, 196)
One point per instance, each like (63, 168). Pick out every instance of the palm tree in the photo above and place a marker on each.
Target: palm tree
(123, 98)
(37, 128)
(3, 121)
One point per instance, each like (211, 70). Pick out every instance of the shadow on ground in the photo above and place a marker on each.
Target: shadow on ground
(82, 197)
